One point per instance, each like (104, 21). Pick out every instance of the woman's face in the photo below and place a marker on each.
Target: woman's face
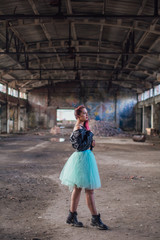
(83, 115)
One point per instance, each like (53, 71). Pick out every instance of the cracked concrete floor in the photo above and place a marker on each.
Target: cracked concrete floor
(34, 205)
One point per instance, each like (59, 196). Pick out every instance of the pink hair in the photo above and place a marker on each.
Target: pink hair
(77, 112)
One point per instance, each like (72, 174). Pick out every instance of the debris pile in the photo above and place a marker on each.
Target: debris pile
(62, 130)
(55, 130)
(152, 132)
(40, 133)
(105, 129)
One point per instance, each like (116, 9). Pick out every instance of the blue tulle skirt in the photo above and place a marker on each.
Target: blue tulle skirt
(81, 170)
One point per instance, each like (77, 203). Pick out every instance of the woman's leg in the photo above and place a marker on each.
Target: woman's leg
(90, 201)
(95, 220)
(75, 199)
(72, 217)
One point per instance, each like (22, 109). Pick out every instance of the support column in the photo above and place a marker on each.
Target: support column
(152, 116)
(18, 118)
(115, 115)
(7, 117)
(136, 117)
(18, 114)
(139, 119)
(156, 119)
(7, 111)
(0, 118)
(143, 120)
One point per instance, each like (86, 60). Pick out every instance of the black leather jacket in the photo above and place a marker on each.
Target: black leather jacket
(81, 139)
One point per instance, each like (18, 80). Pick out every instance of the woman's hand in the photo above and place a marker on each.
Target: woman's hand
(93, 143)
(86, 124)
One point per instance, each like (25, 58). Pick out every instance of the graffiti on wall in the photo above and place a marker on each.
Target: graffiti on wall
(101, 111)
(108, 108)
(126, 112)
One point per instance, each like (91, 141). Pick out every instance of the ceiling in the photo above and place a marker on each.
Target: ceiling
(88, 41)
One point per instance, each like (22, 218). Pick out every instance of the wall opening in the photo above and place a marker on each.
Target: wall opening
(65, 116)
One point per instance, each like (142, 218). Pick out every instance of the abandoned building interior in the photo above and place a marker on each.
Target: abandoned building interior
(54, 56)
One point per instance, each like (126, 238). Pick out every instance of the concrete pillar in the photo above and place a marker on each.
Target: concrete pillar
(115, 114)
(18, 117)
(51, 116)
(152, 115)
(139, 119)
(18, 114)
(7, 110)
(158, 127)
(145, 120)
(143, 117)
(0, 118)
(156, 119)
(55, 116)
(7, 117)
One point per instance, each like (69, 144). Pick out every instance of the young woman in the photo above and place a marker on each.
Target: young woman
(80, 171)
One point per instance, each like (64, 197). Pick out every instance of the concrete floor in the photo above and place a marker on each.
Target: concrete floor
(34, 204)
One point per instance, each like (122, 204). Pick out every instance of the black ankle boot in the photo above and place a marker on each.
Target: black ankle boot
(96, 221)
(72, 219)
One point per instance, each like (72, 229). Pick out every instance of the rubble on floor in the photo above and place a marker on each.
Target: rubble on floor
(152, 131)
(55, 130)
(106, 129)
(63, 130)
(40, 133)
